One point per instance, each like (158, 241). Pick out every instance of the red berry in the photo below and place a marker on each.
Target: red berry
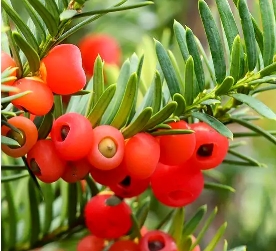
(177, 186)
(108, 177)
(108, 146)
(106, 221)
(29, 133)
(72, 135)
(44, 161)
(39, 101)
(76, 170)
(6, 62)
(129, 186)
(90, 242)
(62, 69)
(142, 153)
(99, 44)
(211, 147)
(157, 241)
(177, 149)
(124, 245)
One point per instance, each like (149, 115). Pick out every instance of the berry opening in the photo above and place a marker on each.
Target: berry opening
(34, 167)
(126, 182)
(205, 150)
(107, 147)
(155, 245)
(64, 132)
(20, 138)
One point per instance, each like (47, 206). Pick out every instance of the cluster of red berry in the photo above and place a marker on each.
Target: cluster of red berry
(171, 164)
(153, 240)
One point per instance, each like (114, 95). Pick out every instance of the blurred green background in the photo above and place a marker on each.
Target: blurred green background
(251, 210)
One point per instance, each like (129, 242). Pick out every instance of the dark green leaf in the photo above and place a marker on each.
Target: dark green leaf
(213, 122)
(13, 177)
(190, 88)
(249, 35)
(135, 230)
(258, 34)
(255, 104)
(171, 132)
(255, 128)
(225, 86)
(58, 106)
(241, 248)
(30, 53)
(246, 158)
(34, 213)
(167, 69)
(44, 125)
(211, 246)
(8, 141)
(214, 40)
(48, 192)
(180, 35)
(98, 80)
(67, 14)
(12, 45)
(181, 104)
(218, 187)
(22, 27)
(39, 27)
(268, 22)
(162, 115)
(120, 91)
(177, 225)
(115, 9)
(12, 215)
(13, 167)
(157, 96)
(236, 60)
(127, 102)
(205, 227)
(72, 203)
(138, 124)
(236, 163)
(49, 20)
(228, 21)
(193, 223)
(98, 110)
(53, 9)
(142, 213)
(163, 221)
(268, 70)
(198, 67)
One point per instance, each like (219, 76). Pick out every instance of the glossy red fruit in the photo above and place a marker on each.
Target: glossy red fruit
(108, 177)
(6, 62)
(72, 135)
(129, 186)
(106, 221)
(44, 161)
(62, 69)
(124, 245)
(90, 242)
(211, 147)
(76, 170)
(142, 153)
(157, 240)
(39, 101)
(107, 150)
(29, 133)
(177, 186)
(177, 149)
(99, 44)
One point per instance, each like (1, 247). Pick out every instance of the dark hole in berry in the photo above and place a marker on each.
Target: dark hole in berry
(205, 150)
(35, 167)
(64, 131)
(155, 245)
(20, 138)
(126, 181)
